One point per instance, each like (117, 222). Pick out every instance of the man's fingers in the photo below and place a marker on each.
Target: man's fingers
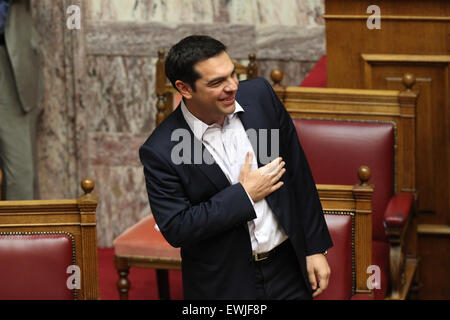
(319, 286)
(276, 187)
(278, 168)
(323, 280)
(322, 283)
(312, 280)
(248, 158)
(278, 176)
(317, 292)
(248, 162)
(271, 167)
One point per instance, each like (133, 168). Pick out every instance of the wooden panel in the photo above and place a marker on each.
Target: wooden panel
(419, 29)
(396, 8)
(432, 124)
(414, 37)
(435, 264)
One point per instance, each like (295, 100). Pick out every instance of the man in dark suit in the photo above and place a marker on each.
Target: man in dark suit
(250, 226)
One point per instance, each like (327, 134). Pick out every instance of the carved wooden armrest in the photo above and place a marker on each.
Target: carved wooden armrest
(397, 219)
(398, 210)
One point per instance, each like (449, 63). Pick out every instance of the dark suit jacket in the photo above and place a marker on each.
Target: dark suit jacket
(198, 210)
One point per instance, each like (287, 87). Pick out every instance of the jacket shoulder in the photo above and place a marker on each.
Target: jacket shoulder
(257, 90)
(254, 84)
(160, 138)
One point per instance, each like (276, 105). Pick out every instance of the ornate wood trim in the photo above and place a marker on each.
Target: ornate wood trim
(357, 200)
(433, 229)
(384, 17)
(404, 58)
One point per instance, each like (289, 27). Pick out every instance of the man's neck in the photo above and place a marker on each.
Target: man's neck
(199, 116)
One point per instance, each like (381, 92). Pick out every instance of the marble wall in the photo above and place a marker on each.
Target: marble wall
(55, 142)
(99, 102)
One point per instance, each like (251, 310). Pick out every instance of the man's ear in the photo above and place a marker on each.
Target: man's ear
(184, 88)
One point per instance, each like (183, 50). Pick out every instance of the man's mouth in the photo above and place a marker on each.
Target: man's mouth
(228, 101)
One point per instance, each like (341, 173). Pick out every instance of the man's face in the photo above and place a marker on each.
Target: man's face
(216, 89)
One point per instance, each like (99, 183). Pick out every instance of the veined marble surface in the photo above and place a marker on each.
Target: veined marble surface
(121, 93)
(122, 200)
(253, 12)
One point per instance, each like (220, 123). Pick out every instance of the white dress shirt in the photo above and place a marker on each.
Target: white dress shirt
(229, 144)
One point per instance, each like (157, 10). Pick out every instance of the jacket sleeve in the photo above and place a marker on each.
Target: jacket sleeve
(307, 200)
(180, 222)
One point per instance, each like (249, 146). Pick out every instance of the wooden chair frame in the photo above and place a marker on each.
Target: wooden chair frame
(357, 202)
(75, 217)
(161, 264)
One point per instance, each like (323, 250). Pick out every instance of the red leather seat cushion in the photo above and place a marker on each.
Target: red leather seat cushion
(339, 258)
(34, 266)
(144, 240)
(336, 149)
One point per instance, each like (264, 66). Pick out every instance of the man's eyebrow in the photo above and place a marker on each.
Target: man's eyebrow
(218, 79)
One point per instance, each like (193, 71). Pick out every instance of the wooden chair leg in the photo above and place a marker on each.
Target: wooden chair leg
(162, 278)
(123, 283)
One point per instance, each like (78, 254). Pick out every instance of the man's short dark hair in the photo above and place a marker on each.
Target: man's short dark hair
(185, 54)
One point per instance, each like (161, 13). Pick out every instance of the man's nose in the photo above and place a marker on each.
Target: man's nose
(231, 85)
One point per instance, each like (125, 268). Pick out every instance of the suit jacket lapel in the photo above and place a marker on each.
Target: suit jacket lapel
(212, 171)
(251, 122)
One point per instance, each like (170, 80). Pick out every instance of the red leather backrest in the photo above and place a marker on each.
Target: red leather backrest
(34, 266)
(339, 258)
(336, 149)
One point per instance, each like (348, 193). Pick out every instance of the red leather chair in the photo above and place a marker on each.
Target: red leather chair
(341, 258)
(34, 265)
(48, 248)
(142, 245)
(335, 150)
